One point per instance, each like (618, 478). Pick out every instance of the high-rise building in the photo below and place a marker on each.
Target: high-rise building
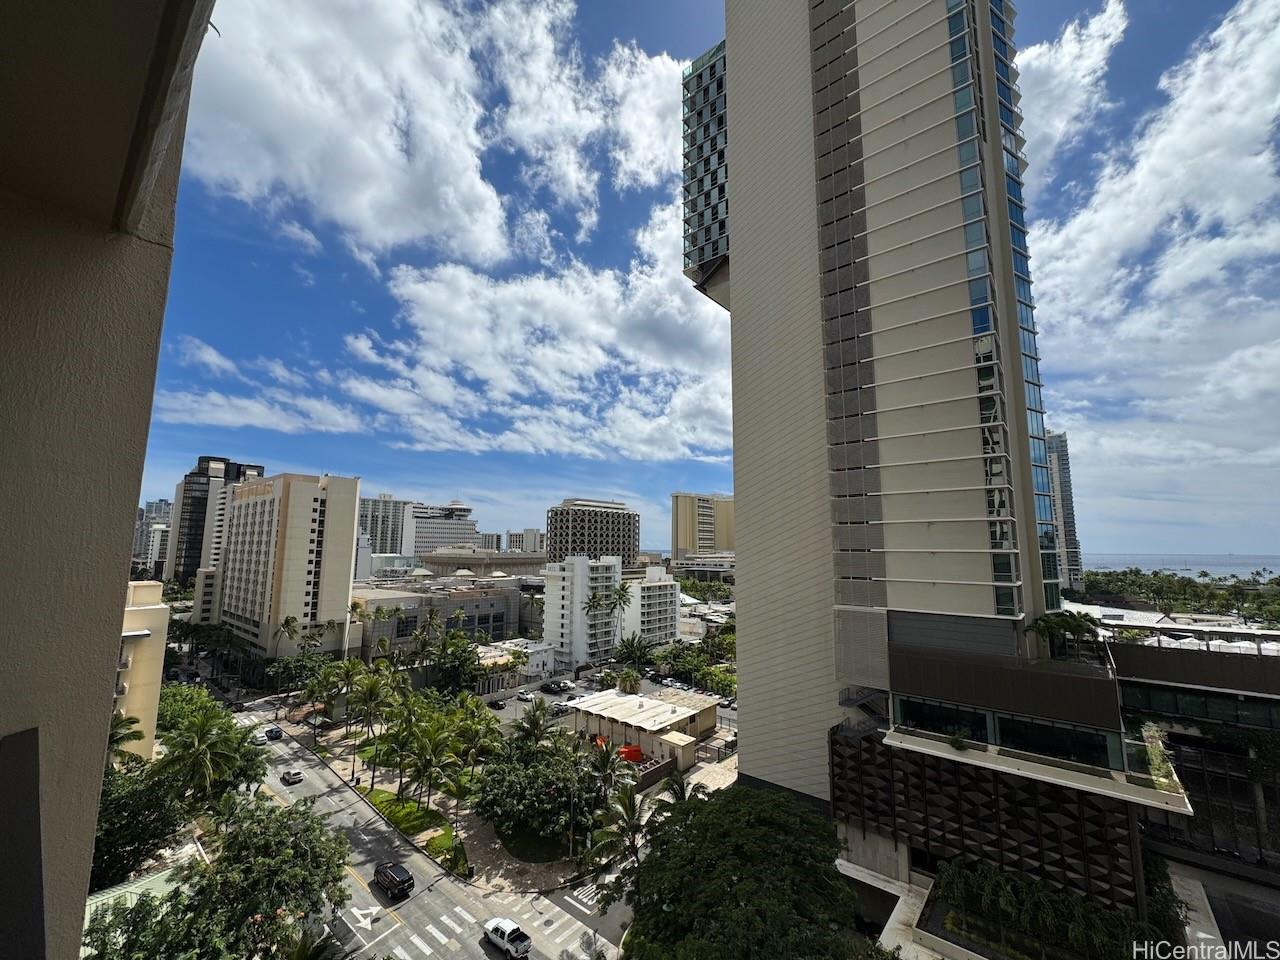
(429, 528)
(289, 552)
(140, 667)
(154, 511)
(593, 528)
(896, 537)
(654, 610)
(528, 540)
(156, 553)
(701, 523)
(579, 636)
(382, 518)
(192, 499)
(1070, 563)
(491, 541)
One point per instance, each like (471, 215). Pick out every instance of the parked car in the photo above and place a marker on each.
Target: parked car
(525, 696)
(726, 703)
(290, 777)
(174, 673)
(396, 881)
(734, 705)
(496, 704)
(274, 733)
(560, 709)
(573, 696)
(551, 686)
(507, 936)
(259, 739)
(237, 707)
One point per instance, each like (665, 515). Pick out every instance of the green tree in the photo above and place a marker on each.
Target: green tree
(629, 681)
(123, 731)
(744, 874)
(179, 702)
(633, 649)
(617, 602)
(140, 812)
(204, 755)
(623, 830)
(533, 726)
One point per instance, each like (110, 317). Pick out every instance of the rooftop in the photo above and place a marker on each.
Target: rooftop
(649, 713)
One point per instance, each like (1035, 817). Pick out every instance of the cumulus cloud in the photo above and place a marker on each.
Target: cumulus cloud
(296, 232)
(1065, 79)
(1159, 301)
(193, 352)
(271, 410)
(643, 94)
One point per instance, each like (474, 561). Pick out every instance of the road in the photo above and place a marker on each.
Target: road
(443, 916)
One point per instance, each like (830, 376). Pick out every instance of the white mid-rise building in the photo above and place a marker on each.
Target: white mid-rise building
(157, 550)
(289, 552)
(541, 654)
(654, 611)
(382, 518)
(141, 662)
(428, 528)
(491, 541)
(577, 637)
(528, 540)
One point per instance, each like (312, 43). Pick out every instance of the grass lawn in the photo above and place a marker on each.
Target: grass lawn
(532, 848)
(442, 848)
(407, 815)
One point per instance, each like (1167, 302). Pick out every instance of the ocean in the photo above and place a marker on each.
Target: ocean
(1184, 564)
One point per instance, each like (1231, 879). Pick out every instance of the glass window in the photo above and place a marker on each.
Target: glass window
(1040, 478)
(1035, 423)
(1039, 452)
(1028, 342)
(1004, 92)
(1033, 397)
(978, 292)
(1047, 533)
(1031, 369)
(997, 6)
(1135, 697)
(968, 152)
(1026, 316)
(1254, 712)
(960, 73)
(1166, 701)
(1014, 187)
(971, 206)
(942, 718)
(1002, 567)
(1049, 565)
(964, 98)
(1016, 215)
(1012, 164)
(975, 234)
(1006, 601)
(1002, 69)
(1217, 706)
(1023, 287)
(959, 49)
(1008, 117)
(1052, 596)
(981, 317)
(975, 262)
(970, 180)
(1021, 264)
(1002, 48)
(1191, 704)
(965, 126)
(1019, 238)
(988, 410)
(1044, 508)
(997, 24)
(1053, 740)
(955, 23)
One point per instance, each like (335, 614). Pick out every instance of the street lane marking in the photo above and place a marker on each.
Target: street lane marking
(378, 937)
(418, 942)
(437, 934)
(401, 953)
(464, 915)
(547, 932)
(566, 933)
(450, 924)
(364, 918)
(573, 902)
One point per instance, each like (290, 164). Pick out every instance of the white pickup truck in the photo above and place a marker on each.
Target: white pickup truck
(508, 937)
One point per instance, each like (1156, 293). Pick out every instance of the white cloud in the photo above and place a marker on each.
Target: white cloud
(572, 360)
(1159, 302)
(306, 276)
(643, 93)
(271, 410)
(193, 352)
(366, 115)
(280, 373)
(292, 230)
(1063, 83)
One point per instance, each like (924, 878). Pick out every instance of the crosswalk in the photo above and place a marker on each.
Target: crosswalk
(539, 916)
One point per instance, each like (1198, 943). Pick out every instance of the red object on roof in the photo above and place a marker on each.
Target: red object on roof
(632, 752)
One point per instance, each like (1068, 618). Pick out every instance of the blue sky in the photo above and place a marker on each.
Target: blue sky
(435, 244)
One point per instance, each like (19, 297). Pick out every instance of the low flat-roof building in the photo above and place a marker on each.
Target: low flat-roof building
(665, 725)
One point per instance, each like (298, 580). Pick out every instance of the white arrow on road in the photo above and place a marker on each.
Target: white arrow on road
(364, 918)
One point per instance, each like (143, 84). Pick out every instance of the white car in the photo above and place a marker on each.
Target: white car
(259, 739)
(290, 777)
(524, 696)
(507, 936)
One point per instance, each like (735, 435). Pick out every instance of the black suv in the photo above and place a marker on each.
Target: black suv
(396, 882)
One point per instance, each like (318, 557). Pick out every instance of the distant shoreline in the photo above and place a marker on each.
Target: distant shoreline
(1186, 565)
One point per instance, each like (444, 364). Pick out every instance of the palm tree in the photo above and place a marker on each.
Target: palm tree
(371, 698)
(676, 789)
(1050, 629)
(202, 752)
(225, 811)
(609, 770)
(625, 817)
(635, 650)
(629, 681)
(456, 787)
(432, 758)
(475, 741)
(532, 726)
(308, 944)
(461, 616)
(288, 628)
(618, 601)
(121, 732)
(348, 672)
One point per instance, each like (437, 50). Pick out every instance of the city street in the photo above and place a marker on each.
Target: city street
(443, 915)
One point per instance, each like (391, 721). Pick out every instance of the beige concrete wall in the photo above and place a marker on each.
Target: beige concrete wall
(786, 679)
(81, 310)
(144, 610)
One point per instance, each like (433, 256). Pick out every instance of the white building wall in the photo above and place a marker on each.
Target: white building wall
(654, 612)
(576, 638)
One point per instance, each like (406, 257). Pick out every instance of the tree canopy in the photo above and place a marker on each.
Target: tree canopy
(744, 874)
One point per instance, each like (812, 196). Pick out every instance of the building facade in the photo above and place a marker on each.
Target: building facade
(654, 611)
(429, 528)
(140, 669)
(528, 540)
(891, 400)
(289, 552)
(593, 528)
(191, 503)
(490, 608)
(491, 541)
(701, 523)
(577, 636)
(1070, 562)
(156, 553)
(152, 512)
(382, 518)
